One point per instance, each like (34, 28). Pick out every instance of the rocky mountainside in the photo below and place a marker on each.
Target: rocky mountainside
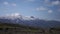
(29, 21)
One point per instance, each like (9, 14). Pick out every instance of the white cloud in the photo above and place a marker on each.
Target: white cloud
(6, 3)
(15, 14)
(44, 9)
(30, 16)
(10, 4)
(50, 11)
(55, 2)
(58, 9)
(41, 8)
(30, 0)
(13, 4)
(27, 16)
(52, 3)
(37, 9)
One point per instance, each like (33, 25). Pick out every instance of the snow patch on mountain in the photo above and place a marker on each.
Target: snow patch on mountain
(19, 16)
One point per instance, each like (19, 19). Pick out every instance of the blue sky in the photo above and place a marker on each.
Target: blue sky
(44, 9)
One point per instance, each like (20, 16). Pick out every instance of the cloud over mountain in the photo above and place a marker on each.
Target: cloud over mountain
(29, 21)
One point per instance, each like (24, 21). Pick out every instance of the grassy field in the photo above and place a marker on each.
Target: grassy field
(18, 29)
(12, 28)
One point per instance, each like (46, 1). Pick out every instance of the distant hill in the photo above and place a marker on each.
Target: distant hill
(29, 21)
(28, 25)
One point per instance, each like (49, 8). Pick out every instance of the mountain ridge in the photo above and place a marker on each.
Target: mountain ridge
(29, 21)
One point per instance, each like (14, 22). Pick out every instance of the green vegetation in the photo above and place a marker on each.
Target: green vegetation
(24, 28)
(29, 29)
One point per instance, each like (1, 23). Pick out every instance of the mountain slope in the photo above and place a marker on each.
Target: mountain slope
(29, 21)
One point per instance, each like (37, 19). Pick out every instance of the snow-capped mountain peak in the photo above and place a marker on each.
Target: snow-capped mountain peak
(28, 21)
(18, 16)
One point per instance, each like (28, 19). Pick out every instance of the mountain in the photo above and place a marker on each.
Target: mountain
(29, 21)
